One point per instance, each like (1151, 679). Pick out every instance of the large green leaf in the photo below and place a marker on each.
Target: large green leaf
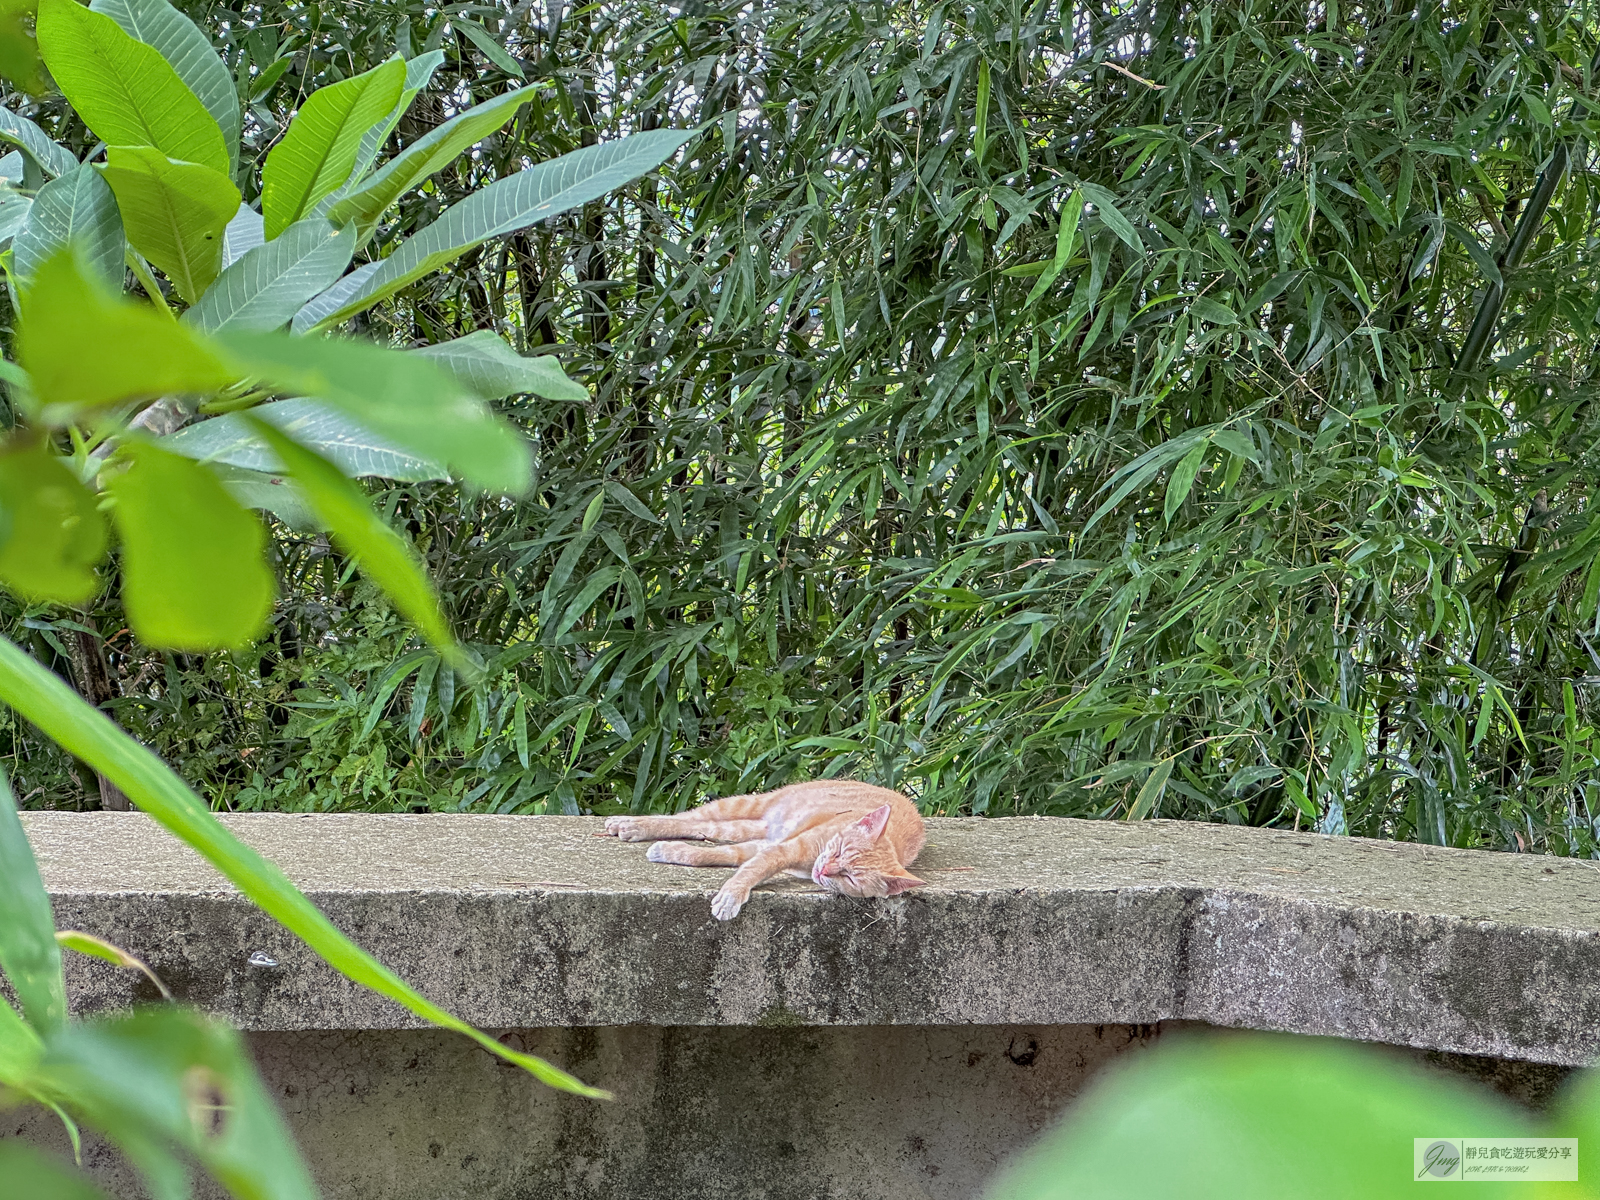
(81, 346)
(19, 49)
(77, 209)
(319, 150)
(51, 530)
(181, 42)
(29, 954)
(44, 698)
(194, 562)
(244, 233)
(14, 209)
(383, 555)
(488, 366)
(419, 73)
(319, 310)
(52, 159)
(31, 1172)
(396, 395)
(429, 153)
(269, 491)
(174, 1076)
(510, 204)
(271, 282)
(1210, 1118)
(123, 89)
(351, 447)
(174, 213)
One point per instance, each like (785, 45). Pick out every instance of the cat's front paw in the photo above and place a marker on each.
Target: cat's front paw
(725, 905)
(629, 829)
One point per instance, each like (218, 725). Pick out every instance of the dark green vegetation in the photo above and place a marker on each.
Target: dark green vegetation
(1191, 504)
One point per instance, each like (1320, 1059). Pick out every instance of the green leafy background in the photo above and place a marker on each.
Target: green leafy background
(891, 469)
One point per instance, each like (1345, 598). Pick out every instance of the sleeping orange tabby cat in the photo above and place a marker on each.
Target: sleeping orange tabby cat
(851, 838)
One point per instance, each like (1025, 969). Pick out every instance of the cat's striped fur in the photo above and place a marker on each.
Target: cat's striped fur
(853, 838)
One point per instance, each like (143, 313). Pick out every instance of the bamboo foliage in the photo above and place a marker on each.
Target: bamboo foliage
(1045, 408)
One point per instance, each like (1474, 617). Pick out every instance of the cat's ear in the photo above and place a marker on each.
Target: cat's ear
(875, 822)
(903, 882)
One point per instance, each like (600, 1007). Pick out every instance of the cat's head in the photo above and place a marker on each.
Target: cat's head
(860, 861)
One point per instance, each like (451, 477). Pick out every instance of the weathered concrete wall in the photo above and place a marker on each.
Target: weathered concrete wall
(530, 922)
(853, 1113)
(814, 1046)
(901, 1112)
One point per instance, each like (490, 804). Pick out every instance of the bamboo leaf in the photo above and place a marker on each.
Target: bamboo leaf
(1183, 476)
(1105, 205)
(1150, 792)
(980, 132)
(1208, 309)
(484, 40)
(1478, 253)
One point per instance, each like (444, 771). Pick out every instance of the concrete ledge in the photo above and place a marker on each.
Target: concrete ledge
(532, 922)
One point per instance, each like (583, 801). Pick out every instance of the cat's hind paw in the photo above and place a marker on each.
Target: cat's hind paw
(725, 905)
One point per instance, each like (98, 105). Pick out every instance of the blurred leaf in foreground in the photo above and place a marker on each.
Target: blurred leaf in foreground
(1255, 1118)
(194, 567)
(39, 1176)
(82, 346)
(51, 530)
